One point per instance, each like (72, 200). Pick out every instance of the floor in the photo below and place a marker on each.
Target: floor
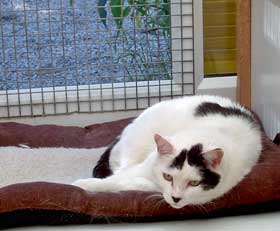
(261, 222)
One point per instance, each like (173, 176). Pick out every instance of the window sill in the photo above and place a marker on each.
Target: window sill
(222, 86)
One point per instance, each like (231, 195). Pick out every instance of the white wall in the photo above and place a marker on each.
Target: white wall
(266, 63)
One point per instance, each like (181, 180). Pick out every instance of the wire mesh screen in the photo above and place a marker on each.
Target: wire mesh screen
(64, 56)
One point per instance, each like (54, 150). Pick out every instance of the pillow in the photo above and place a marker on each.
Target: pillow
(92, 136)
(46, 203)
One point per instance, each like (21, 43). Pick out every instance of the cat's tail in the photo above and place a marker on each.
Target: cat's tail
(102, 168)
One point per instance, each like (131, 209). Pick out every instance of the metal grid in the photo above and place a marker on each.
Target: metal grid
(64, 56)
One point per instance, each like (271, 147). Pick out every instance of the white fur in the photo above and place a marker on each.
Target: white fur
(137, 165)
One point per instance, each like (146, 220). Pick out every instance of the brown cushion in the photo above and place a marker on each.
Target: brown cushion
(50, 203)
(92, 136)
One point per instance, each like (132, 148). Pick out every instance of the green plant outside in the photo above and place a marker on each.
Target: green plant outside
(152, 18)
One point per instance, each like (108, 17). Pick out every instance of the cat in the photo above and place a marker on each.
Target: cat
(192, 150)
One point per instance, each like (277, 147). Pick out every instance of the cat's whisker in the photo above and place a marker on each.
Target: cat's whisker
(197, 207)
(212, 203)
(205, 209)
(159, 204)
(202, 209)
(158, 195)
(153, 197)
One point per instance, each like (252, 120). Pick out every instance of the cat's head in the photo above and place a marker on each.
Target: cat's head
(186, 175)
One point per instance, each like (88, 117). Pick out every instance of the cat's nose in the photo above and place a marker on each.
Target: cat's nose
(176, 199)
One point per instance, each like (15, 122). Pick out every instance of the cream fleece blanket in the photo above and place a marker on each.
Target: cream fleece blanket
(59, 165)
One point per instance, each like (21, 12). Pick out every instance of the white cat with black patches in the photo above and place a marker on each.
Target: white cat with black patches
(192, 150)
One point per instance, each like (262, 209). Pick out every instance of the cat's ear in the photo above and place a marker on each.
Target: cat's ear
(163, 146)
(213, 157)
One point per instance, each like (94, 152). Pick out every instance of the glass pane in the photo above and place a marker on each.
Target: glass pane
(219, 29)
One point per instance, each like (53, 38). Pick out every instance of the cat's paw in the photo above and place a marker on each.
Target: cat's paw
(92, 184)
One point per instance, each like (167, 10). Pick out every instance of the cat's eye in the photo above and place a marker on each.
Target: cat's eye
(194, 183)
(167, 177)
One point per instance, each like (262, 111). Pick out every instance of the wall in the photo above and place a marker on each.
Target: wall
(266, 63)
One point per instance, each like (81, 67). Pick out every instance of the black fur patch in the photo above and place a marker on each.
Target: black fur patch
(210, 179)
(195, 158)
(102, 168)
(207, 108)
(277, 139)
(179, 160)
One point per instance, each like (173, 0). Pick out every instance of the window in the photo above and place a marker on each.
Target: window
(64, 56)
(219, 37)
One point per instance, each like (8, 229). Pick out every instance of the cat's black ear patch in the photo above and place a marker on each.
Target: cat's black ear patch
(179, 160)
(194, 156)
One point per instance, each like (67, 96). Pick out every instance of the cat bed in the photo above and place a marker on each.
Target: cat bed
(34, 185)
